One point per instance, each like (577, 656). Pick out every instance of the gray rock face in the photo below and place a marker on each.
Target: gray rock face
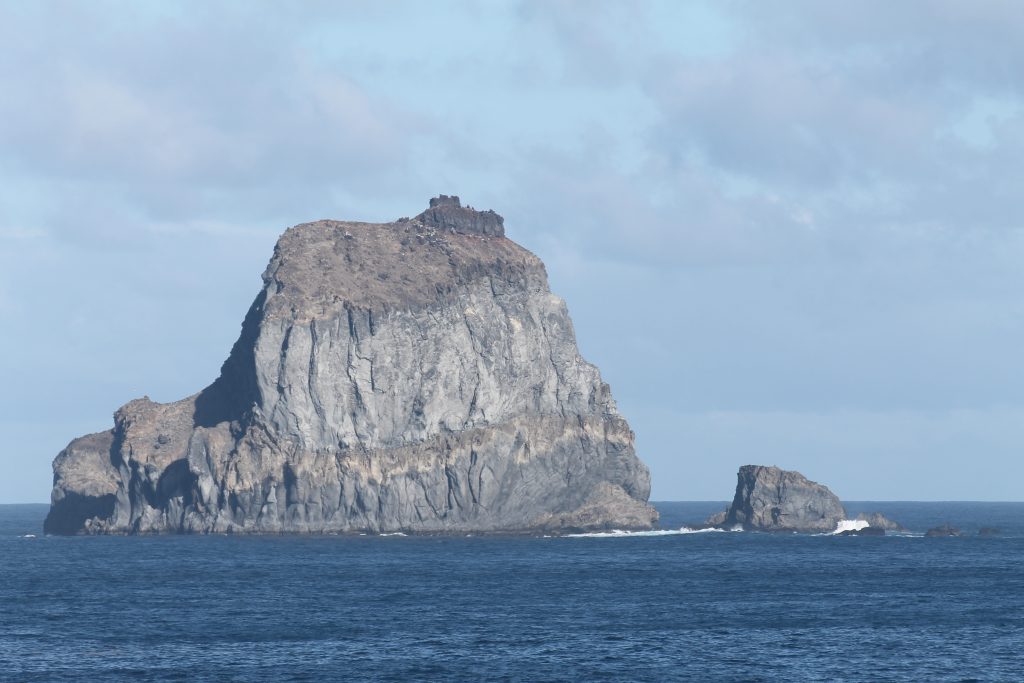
(413, 376)
(876, 520)
(447, 213)
(770, 499)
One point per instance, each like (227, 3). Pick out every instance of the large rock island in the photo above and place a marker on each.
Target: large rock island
(413, 376)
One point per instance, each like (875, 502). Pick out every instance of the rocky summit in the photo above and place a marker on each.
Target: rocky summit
(413, 376)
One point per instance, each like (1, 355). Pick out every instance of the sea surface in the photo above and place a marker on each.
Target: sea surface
(710, 606)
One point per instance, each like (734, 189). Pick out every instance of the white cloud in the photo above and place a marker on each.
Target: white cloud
(219, 114)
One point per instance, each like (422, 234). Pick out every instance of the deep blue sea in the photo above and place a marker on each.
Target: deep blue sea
(701, 606)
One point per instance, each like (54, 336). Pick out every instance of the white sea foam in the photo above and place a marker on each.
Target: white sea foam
(850, 525)
(29, 536)
(618, 533)
(394, 533)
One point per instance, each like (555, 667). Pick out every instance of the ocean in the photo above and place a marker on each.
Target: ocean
(711, 606)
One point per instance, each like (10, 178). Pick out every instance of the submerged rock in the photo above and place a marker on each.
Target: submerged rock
(771, 499)
(944, 530)
(409, 376)
(863, 531)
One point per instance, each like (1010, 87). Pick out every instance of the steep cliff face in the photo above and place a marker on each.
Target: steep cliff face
(409, 376)
(771, 499)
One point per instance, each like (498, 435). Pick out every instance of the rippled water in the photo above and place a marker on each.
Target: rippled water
(725, 606)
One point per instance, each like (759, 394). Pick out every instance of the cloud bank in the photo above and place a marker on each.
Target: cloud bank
(788, 232)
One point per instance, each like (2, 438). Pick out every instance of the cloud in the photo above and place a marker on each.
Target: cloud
(593, 39)
(219, 113)
(784, 123)
(658, 217)
(939, 45)
(822, 129)
(862, 110)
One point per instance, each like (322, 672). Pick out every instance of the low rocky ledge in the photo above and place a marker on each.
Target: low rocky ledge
(865, 531)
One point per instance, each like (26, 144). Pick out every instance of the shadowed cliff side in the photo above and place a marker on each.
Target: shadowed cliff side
(412, 376)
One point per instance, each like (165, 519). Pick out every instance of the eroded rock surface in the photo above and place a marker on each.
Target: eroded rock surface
(876, 520)
(771, 499)
(412, 376)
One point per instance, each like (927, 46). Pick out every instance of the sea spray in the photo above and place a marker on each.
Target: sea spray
(850, 525)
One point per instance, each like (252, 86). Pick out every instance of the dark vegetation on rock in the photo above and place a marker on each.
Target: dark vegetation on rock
(414, 376)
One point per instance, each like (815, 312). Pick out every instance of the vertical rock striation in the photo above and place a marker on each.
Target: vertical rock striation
(412, 376)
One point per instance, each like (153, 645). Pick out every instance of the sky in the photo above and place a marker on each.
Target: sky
(788, 233)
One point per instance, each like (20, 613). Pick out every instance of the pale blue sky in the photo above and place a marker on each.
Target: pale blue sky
(788, 232)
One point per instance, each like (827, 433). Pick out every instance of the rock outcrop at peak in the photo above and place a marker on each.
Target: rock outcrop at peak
(771, 499)
(414, 376)
(447, 213)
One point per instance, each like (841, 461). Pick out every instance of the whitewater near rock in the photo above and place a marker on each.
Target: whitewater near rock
(773, 499)
(413, 376)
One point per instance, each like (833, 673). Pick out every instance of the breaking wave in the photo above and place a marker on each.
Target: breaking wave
(850, 525)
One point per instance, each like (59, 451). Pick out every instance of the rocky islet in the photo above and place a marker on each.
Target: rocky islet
(771, 499)
(414, 376)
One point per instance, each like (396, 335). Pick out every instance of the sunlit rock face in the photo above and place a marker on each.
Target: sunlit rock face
(413, 376)
(771, 499)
